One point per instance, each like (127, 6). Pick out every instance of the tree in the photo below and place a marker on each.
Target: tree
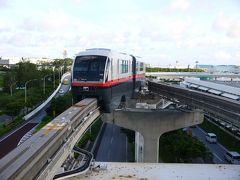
(9, 81)
(59, 104)
(177, 146)
(26, 71)
(13, 108)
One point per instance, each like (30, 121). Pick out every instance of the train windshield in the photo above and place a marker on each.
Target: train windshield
(89, 68)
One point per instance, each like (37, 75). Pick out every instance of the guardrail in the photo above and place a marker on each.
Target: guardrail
(82, 169)
(39, 108)
(41, 156)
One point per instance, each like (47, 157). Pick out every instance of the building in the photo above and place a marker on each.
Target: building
(220, 68)
(14, 60)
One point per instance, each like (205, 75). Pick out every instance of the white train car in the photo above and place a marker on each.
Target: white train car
(106, 75)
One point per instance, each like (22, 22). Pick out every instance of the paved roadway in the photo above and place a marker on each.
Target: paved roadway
(217, 149)
(114, 145)
(10, 141)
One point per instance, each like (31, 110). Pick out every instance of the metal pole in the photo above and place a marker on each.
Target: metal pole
(59, 75)
(54, 77)
(44, 85)
(25, 92)
(61, 71)
(11, 89)
(26, 89)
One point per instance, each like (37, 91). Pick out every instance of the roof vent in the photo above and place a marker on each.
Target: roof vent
(102, 49)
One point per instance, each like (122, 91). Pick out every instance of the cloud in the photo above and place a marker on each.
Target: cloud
(181, 5)
(222, 55)
(3, 3)
(4, 25)
(55, 21)
(230, 26)
(237, 56)
(167, 29)
(234, 29)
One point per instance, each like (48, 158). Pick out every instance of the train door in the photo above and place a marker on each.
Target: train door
(111, 65)
(106, 74)
(118, 68)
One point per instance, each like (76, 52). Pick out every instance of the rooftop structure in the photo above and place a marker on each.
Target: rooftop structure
(14, 60)
(217, 89)
(147, 171)
(220, 68)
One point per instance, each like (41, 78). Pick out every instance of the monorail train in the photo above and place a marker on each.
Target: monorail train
(106, 75)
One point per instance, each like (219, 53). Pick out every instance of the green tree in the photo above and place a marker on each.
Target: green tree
(59, 104)
(13, 108)
(26, 71)
(9, 81)
(177, 146)
(156, 69)
(67, 62)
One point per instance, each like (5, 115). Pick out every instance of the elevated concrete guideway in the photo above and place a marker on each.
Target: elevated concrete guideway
(42, 155)
(151, 124)
(192, 74)
(223, 107)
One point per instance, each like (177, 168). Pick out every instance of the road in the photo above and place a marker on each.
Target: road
(10, 141)
(217, 149)
(114, 145)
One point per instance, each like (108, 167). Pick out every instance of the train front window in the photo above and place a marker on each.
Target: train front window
(89, 68)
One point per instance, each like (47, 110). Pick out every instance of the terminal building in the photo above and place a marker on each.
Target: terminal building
(220, 68)
(213, 88)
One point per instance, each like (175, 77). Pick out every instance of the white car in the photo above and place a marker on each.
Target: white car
(61, 91)
(211, 137)
(233, 157)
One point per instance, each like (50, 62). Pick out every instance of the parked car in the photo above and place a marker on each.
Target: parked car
(233, 157)
(211, 137)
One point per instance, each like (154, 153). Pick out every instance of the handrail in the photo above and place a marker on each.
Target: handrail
(82, 169)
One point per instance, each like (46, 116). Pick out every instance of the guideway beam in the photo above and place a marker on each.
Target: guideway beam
(151, 124)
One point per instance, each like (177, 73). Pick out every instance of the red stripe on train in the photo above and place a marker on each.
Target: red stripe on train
(108, 83)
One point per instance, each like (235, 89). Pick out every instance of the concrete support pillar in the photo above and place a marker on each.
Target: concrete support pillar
(151, 148)
(139, 147)
(153, 123)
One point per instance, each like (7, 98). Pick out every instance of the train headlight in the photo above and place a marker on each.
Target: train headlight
(85, 88)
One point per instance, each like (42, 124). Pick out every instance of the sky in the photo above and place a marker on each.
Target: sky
(161, 32)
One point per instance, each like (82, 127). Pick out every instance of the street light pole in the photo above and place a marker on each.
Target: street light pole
(53, 77)
(44, 83)
(26, 88)
(60, 73)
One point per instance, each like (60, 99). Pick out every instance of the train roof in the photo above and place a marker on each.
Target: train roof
(104, 52)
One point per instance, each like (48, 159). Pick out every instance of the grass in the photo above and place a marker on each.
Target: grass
(6, 128)
(90, 135)
(44, 121)
(131, 141)
(231, 143)
(34, 95)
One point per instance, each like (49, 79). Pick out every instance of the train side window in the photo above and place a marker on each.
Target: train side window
(124, 66)
(137, 64)
(141, 66)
